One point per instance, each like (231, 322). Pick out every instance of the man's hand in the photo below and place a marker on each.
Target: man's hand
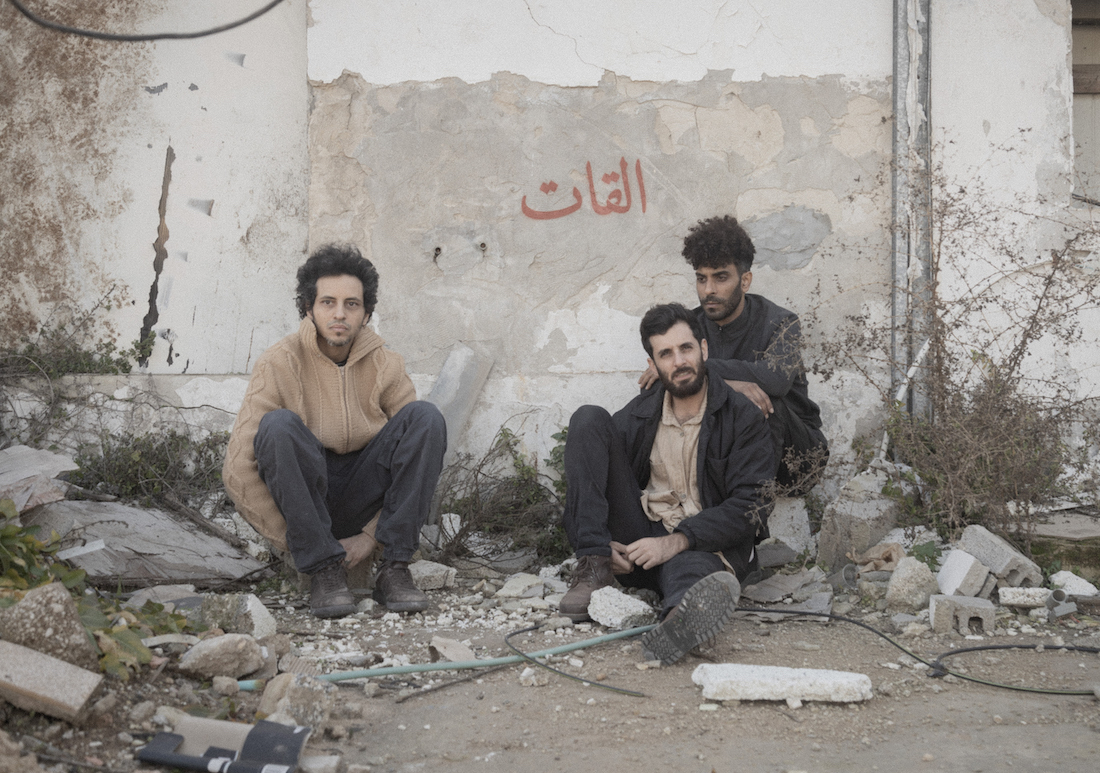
(654, 551)
(357, 548)
(649, 378)
(753, 391)
(620, 564)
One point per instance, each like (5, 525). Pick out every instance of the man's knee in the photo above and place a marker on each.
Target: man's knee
(588, 418)
(424, 416)
(277, 425)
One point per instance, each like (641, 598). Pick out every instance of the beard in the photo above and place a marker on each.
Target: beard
(685, 388)
(727, 307)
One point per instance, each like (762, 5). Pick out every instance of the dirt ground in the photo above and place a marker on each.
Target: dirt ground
(491, 721)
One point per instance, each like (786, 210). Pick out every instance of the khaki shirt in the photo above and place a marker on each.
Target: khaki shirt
(673, 491)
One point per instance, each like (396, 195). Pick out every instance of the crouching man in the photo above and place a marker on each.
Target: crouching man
(668, 493)
(330, 454)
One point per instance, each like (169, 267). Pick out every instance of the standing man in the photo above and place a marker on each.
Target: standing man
(668, 493)
(330, 454)
(756, 346)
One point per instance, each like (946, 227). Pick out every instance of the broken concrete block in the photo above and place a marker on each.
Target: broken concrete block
(165, 595)
(519, 585)
(617, 610)
(142, 546)
(947, 613)
(441, 647)
(1023, 598)
(47, 620)
(1009, 565)
(26, 476)
(733, 681)
(857, 519)
(789, 523)
(428, 575)
(910, 587)
(1072, 584)
(305, 699)
(988, 587)
(775, 553)
(961, 574)
(234, 654)
(237, 613)
(38, 682)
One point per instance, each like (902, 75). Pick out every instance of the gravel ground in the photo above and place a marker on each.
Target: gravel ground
(499, 720)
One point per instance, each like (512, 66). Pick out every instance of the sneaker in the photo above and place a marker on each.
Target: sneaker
(591, 574)
(394, 588)
(700, 616)
(328, 592)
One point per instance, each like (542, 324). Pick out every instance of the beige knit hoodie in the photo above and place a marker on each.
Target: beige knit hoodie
(343, 406)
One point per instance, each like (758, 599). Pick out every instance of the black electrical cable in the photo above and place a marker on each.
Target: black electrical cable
(140, 38)
(938, 669)
(540, 664)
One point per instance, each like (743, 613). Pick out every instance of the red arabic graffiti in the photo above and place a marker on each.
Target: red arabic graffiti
(615, 199)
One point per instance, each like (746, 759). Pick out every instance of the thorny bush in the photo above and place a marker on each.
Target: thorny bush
(994, 428)
(504, 496)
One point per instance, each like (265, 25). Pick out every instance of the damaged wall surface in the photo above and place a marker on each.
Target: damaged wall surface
(522, 172)
(160, 184)
(537, 223)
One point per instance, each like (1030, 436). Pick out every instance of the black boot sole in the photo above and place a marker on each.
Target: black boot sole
(700, 616)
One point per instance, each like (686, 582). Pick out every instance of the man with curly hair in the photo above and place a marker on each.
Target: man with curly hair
(756, 346)
(331, 454)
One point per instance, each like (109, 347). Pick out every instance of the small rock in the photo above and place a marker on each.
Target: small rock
(224, 685)
(142, 712)
(519, 585)
(428, 575)
(532, 677)
(47, 620)
(615, 609)
(234, 654)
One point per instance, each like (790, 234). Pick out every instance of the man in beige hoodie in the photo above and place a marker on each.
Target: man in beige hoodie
(331, 454)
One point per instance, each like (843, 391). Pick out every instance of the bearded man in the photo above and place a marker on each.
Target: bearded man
(669, 493)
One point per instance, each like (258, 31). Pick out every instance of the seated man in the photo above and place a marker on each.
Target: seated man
(756, 346)
(329, 435)
(668, 493)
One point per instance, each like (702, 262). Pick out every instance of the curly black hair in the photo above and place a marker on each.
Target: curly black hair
(336, 260)
(660, 319)
(718, 241)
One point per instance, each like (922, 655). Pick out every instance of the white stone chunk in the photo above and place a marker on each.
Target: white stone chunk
(428, 575)
(1073, 584)
(734, 681)
(789, 523)
(519, 586)
(617, 610)
(1023, 598)
(961, 574)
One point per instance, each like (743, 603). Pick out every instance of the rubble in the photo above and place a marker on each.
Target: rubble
(1009, 565)
(428, 575)
(789, 524)
(237, 613)
(35, 681)
(618, 611)
(961, 613)
(26, 476)
(1023, 598)
(961, 574)
(305, 700)
(47, 620)
(910, 587)
(234, 654)
(734, 681)
(1072, 584)
(521, 585)
(857, 519)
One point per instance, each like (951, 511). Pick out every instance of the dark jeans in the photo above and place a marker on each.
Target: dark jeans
(802, 451)
(326, 497)
(603, 503)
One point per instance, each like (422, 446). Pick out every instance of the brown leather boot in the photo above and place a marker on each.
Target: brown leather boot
(328, 592)
(591, 574)
(394, 588)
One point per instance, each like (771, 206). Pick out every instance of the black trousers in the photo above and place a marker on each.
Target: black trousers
(326, 497)
(603, 503)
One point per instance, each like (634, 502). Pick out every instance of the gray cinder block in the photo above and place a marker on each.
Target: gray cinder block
(947, 613)
(1009, 565)
(961, 574)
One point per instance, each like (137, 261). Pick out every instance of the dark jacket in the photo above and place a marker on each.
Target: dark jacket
(764, 345)
(736, 461)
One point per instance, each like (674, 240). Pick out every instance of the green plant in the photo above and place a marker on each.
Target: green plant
(28, 563)
(927, 553)
(168, 464)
